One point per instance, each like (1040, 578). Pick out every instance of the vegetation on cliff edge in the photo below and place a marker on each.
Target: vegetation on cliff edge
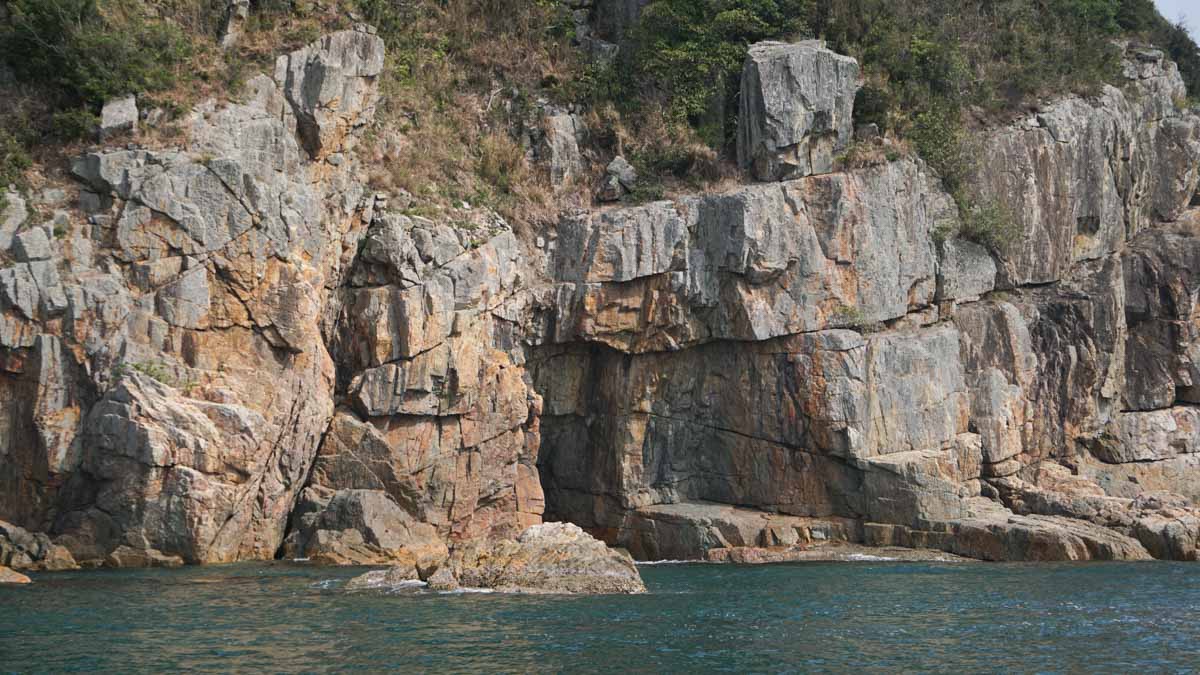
(466, 80)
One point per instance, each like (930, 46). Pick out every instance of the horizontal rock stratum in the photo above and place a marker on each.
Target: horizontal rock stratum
(237, 350)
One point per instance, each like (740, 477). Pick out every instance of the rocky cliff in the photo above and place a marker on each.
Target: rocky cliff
(233, 349)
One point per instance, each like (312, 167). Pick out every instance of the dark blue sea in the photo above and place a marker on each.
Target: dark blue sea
(880, 617)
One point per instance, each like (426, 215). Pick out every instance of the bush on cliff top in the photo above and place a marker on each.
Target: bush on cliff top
(91, 50)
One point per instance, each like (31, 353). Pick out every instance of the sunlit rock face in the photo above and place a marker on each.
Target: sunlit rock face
(238, 351)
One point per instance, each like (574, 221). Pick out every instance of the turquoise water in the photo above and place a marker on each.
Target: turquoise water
(872, 617)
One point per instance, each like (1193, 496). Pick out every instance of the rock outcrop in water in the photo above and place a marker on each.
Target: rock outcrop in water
(239, 351)
(547, 558)
(8, 576)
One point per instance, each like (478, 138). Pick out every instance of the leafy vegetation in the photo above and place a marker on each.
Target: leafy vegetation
(465, 79)
(459, 89)
(89, 51)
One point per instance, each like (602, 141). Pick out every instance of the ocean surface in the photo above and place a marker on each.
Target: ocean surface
(806, 617)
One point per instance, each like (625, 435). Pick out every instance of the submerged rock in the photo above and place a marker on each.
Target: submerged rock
(399, 576)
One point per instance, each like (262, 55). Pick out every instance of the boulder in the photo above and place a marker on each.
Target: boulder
(118, 116)
(546, 558)
(8, 576)
(362, 527)
(795, 109)
(392, 578)
(237, 12)
(31, 245)
(25, 550)
(11, 217)
(623, 171)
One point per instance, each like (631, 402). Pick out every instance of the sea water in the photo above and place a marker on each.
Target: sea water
(872, 616)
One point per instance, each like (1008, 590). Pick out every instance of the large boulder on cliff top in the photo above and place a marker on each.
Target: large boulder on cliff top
(795, 109)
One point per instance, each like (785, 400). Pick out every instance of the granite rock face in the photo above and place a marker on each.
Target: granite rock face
(795, 109)
(546, 558)
(135, 348)
(752, 264)
(1083, 176)
(361, 527)
(780, 361)
(238, 352)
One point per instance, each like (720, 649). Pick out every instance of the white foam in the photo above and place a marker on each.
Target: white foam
(867, 557)
(383, 583)
(468, 590)
(667, 562)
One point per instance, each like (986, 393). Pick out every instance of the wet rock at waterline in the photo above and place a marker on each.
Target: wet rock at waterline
(546, 558)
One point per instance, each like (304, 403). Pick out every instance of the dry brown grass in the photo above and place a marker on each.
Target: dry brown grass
(458, 91)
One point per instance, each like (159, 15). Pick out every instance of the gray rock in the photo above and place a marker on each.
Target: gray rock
(795, 109)
(11, 218)
(1151, 436)
(623, 171)
(23, 550)
(754, 263)
(547, 558)
(1162, 359)
(610, 189)
(118, 116)
(363, 527)
(562, 138)
(32, 245)
(966, 270)
(1069, 201)
(237, 12)
(330, 86)
(391, 579)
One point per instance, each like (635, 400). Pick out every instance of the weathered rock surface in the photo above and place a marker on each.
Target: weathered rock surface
(136, 422)
(11, 217)
(232, 350)
(795, 109)
(362, 527)
(1082, 176)
(118, 116)
(546, 558)
(8, 576)
(24, 550)
(752, 264)
(330, 86)
(930, 425)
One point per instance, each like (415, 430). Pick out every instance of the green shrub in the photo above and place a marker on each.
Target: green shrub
(689, 55)
(73, 124)
(91, 50)
(14, 160)
(991, 225)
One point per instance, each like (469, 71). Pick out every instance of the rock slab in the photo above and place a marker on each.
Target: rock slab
(795, 109)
